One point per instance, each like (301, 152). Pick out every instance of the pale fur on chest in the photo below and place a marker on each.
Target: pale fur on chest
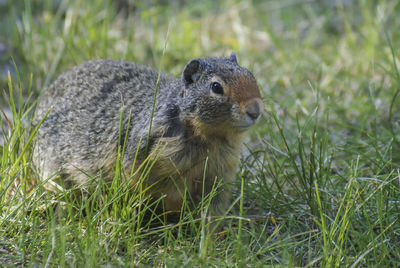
(182, 165)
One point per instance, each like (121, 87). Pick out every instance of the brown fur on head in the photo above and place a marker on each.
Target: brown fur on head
(220, 97)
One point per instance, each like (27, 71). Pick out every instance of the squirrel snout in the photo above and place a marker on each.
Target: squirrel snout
(254, 108)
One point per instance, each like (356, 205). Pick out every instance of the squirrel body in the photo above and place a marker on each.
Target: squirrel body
(197, 129)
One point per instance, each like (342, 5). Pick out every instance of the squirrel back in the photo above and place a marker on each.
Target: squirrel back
(199, 122)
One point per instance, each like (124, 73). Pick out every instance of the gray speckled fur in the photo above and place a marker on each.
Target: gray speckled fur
(82, 130)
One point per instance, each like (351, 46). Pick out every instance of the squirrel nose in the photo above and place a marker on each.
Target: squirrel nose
(254, 110)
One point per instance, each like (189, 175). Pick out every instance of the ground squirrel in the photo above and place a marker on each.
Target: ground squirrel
(203, 115)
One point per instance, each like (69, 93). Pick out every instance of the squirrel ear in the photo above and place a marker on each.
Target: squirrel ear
(192, 71)
(233, 58)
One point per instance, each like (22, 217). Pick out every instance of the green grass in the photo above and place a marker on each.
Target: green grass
(318, 183)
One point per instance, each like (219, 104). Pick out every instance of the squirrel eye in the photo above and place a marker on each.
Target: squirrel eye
(217, 88)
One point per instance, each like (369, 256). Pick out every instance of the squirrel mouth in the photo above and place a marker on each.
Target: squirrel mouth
(245, 124)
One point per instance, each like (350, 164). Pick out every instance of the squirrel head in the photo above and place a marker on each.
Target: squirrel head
(219, 96)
